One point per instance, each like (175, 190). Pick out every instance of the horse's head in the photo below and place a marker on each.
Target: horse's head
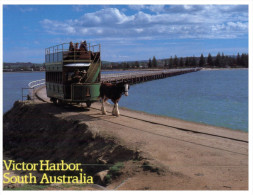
(127, 87)
(124, 88)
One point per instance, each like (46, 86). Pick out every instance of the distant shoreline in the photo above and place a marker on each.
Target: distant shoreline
(108, 70)
(22, 71)
(208, 69)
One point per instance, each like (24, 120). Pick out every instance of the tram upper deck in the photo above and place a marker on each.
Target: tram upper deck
(68, 53)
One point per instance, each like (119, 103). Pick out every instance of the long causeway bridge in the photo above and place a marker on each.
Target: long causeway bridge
(133, 77)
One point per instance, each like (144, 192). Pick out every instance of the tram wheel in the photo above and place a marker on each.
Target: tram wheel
(59, 102)
(88, 104)
(54, 100)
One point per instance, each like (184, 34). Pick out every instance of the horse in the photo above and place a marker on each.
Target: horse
(114, 93)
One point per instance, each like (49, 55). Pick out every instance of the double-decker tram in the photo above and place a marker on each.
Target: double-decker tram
(73, 73)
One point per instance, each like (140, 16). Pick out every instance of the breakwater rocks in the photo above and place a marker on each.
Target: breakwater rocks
(34, 132)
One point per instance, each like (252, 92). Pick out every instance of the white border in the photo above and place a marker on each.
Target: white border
(192, 2)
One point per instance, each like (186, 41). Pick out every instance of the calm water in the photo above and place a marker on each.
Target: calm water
(13, 83)
(217, 98)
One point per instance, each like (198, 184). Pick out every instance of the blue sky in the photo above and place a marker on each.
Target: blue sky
(125, 32)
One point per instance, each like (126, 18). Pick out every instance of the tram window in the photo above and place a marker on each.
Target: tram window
(54, 77)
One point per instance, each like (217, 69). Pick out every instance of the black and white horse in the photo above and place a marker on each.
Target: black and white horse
(114, 93)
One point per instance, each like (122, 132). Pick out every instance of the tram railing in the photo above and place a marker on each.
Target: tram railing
(61, 52)
(31, 89)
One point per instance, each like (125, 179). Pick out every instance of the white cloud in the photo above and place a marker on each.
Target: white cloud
(177, 21)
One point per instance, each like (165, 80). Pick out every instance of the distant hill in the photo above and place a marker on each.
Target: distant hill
(22, 66)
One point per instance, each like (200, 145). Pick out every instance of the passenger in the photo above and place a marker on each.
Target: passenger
(70, 54)
(83, 75)
(71, 46)
(76, 77)
(76, 46)
(83, 46)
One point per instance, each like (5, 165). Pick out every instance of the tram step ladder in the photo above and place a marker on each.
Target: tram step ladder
(93, 72)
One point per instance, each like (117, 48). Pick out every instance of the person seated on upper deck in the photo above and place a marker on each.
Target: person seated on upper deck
(83, 46)
(76, 77)
(76, 46)
(71, 46)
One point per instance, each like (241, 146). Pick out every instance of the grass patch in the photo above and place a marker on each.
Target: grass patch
(114, 171)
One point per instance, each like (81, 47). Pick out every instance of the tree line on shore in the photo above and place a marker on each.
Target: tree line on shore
(218, 61)
(22, 66)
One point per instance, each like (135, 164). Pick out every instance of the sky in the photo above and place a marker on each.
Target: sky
(125, 32)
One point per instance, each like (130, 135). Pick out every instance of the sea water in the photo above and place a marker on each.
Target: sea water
(218, 98)
(13, 82)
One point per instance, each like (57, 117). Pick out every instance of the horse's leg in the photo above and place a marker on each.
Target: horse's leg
(102, 103)
(117, 109)
(114, 111)
(103, 107)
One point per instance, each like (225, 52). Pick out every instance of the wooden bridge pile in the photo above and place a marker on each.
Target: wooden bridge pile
(143, 76)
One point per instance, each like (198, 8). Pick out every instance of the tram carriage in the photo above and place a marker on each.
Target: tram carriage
(61, 62)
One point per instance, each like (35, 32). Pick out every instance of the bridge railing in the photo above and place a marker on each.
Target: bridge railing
(32, 88)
